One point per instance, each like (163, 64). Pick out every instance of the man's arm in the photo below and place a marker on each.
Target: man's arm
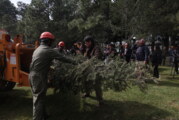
(56, 55)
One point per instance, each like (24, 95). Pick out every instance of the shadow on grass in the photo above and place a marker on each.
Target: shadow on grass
(169, 83)
(171, 77)
(17, 105)
(163, 69)
(70, 107)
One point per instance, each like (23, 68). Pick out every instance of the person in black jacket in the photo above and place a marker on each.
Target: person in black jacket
(127, 52)
(93, 51)
(175, 55)
(134, 49)
(156, 60)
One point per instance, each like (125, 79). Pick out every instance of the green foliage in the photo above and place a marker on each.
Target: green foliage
(8, 18)
(116, 75)
(35, 20)
(71, 20)
(83, 25)
(143, 74)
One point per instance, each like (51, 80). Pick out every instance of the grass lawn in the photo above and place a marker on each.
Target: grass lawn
(160, 102)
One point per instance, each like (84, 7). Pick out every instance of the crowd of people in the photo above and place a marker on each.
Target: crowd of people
(89, 48)
(139, 52)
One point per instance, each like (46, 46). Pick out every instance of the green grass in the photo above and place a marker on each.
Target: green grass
(160, 102)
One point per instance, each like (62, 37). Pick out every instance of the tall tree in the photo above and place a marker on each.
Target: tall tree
(35, 19)
(8, 17)
(62, 12)
(71, 20)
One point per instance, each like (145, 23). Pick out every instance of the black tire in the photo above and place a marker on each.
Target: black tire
(6, 85)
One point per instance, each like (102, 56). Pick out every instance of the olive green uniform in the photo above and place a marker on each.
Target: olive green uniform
(41, 61)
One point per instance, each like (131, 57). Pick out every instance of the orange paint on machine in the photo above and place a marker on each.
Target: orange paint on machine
(15, 59)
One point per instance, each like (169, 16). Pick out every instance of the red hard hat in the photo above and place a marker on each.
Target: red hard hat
(61, 44)
(47, 35)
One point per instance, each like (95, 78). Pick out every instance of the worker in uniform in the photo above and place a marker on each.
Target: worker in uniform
(39, 67)
(61, 47)
(93, 50)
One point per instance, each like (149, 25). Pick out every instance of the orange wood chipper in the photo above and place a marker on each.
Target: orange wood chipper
(15, 58)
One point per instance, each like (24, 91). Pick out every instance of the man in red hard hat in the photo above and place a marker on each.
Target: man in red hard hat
(61, 44)
(41, 60)
(61, 47)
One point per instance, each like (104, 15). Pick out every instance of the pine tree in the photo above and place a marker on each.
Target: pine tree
(116, 75)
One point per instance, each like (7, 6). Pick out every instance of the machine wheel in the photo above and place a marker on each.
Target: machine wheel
(6, 85)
